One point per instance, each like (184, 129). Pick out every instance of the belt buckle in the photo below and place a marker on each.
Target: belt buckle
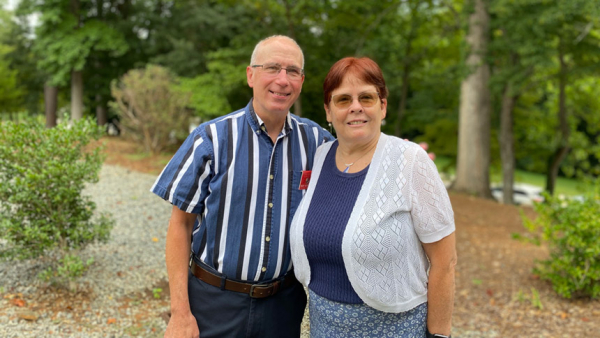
(262, 286)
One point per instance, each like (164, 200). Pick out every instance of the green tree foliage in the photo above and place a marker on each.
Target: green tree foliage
(68, 33)
(571, 230)
(10, 92)
(43, 173)
(151, 108)
(548, 52)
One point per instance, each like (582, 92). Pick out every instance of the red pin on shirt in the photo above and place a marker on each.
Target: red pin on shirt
(304, 180)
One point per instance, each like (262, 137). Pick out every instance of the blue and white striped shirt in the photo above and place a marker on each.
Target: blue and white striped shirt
(244, 190)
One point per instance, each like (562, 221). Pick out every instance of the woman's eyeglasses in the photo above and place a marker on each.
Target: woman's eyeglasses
(293, 73)
(365, 99)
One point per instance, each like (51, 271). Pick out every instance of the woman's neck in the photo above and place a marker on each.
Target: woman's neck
(355, 157)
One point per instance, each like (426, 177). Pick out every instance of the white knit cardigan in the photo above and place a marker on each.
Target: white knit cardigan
(402, 203)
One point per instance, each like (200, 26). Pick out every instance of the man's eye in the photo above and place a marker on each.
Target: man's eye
(271, 68)
(293, 71)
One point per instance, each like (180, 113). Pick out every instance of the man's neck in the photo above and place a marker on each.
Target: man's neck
(273, 122)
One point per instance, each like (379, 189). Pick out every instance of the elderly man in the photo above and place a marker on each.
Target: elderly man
(235, 184)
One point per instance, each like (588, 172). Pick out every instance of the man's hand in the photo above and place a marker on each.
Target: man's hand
(182, 326)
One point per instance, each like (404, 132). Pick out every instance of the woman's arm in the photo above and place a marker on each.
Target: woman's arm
(440, 289)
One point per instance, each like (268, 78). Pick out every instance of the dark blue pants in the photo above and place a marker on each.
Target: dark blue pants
(224, 314)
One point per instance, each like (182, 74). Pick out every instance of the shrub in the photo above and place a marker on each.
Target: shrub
(571, 230)
(42, 174)
(151, 109)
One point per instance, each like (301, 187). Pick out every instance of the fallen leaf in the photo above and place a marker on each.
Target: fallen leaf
(492, 301)
(585, 319)
(28, 315)
(489, 292)
(149, 218)
(154, 239)
(18, 302)
(111, 321)
(563, 315)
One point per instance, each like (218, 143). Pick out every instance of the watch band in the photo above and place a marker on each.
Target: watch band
(435, 335)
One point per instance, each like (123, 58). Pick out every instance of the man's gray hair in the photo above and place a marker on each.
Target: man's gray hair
(261, 42)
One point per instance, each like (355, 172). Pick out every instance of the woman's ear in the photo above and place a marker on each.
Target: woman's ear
(383, 108)
(328, 113)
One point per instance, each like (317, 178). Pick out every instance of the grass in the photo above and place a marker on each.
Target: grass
(565, 186)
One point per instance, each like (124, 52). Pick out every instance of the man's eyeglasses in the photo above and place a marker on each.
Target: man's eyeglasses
(294, 73)
(365, 99)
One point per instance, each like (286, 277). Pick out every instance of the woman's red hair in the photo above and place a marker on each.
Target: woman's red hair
(363, 68)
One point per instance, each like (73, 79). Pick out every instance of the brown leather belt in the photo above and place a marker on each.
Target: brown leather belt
(254, 290)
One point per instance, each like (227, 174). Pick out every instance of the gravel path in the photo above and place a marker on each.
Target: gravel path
(117, 298)
(131, 263)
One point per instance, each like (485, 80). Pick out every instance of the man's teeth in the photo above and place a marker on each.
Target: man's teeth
(280, 94)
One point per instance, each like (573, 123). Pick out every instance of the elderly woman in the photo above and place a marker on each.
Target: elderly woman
(373, 239)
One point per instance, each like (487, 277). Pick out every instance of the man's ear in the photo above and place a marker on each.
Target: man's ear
(249, 74)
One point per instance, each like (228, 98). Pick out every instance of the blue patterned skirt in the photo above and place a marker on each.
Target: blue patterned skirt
(329, 319)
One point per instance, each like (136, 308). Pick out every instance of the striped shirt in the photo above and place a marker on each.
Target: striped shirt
(244, 190)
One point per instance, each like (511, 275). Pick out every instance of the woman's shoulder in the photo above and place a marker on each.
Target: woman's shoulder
(400, 144)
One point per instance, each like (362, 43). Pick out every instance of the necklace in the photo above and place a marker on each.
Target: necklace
(348, 165)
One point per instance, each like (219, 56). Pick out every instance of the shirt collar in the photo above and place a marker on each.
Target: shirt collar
(260, 125)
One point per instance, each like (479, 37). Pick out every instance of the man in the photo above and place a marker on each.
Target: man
(235, 185)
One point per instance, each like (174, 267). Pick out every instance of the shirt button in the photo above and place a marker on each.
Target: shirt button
(263, 128)
(258, 131)
(264, 268)
(270, 205)
(271, 176)
(267, 238)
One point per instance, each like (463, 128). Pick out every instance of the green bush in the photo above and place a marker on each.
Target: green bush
(571, 229)
(42, 174)
(151, 108)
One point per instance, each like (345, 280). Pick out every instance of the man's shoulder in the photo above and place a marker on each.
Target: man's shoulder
(304, 121)
(217, 120)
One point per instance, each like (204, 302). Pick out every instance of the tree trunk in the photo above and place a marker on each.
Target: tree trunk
(292, 34)
(563, 148)
(76, 95)
(50, 104)
(406, 71)
(473, 160)
(101, 116)
(507, 153)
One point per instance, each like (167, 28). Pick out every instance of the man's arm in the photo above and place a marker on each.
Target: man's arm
(440, 289)
(182, 323)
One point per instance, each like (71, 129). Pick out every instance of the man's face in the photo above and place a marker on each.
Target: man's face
(274, 94)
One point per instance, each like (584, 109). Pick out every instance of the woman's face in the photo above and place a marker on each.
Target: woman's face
(356, 124)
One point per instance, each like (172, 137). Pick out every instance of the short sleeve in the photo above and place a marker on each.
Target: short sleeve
(431, 211)
(184, 180)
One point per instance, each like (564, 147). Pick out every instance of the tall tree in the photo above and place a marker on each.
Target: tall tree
(68, 33)
(472, 171)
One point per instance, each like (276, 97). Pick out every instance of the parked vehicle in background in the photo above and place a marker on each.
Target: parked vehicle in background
(523, 194)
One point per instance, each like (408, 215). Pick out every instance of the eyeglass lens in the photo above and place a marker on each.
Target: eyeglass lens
(274, 68)
(345, 100)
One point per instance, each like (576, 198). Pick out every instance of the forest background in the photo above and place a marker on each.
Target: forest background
(527, 69)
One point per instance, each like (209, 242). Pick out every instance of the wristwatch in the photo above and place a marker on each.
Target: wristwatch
(436, 335)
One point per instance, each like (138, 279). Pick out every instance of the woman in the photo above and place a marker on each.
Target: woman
(373, 239)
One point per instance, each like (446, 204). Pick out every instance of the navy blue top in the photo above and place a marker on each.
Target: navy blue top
(244, 189)
(332, 203)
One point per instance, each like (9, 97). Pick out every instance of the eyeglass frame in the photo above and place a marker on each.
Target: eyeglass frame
(280, 69)
(358, 99)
